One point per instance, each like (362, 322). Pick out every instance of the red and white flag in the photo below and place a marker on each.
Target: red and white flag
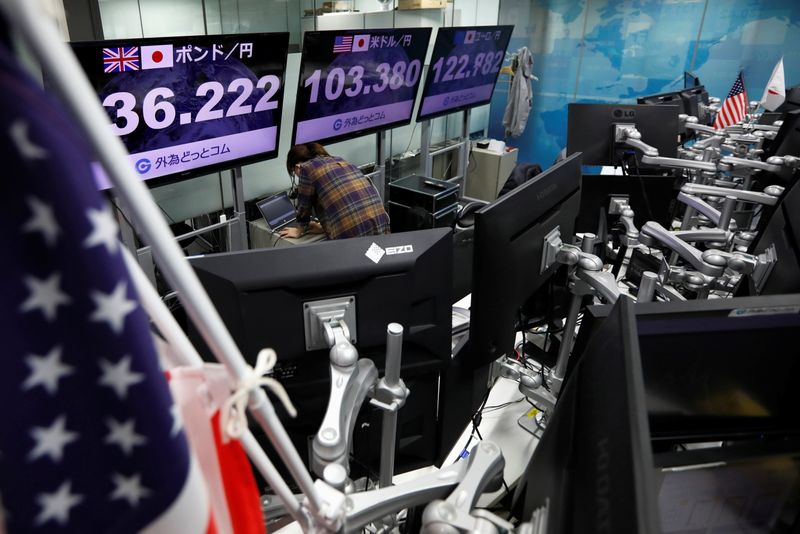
(775, 91)
(734, 108)
(199, 393)
(157, 56)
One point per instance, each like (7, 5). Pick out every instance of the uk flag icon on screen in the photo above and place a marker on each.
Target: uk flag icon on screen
(121, 59)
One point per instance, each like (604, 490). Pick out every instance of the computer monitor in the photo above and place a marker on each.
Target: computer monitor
(714, 370)
(463, 69)
(690, 80)
(400, 278)
(695, 103)
(353, 82)
(590, 130)
(673, 98)
(792, 100)
(262, 295)
(786, 142)
(591, 471)
(185, 106)
(595, 468)
(508, 252)
(779, 232)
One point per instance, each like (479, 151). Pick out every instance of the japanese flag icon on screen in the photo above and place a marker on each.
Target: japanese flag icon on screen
(360, 43)
(157, 57)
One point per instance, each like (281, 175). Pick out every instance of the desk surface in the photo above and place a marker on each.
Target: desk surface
(260, 237)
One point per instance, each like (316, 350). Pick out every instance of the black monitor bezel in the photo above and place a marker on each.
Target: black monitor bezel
(357, 133)
(431, 116)
(529, 204)
(217, 167)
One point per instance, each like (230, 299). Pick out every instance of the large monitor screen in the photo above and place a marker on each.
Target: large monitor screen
(354, 82)
(464, 68)
(181, 104)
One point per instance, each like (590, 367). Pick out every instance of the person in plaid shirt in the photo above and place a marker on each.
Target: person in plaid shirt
(344, 200)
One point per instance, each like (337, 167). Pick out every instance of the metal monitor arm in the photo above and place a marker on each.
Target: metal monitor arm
(627, 134)
(677, 163)
(722, 219)
(351, 380)
(703, 262)
(455, 514)
(769, 197)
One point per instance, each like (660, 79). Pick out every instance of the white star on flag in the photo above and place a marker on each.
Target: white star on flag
(46, 371)
(104, 230)
(129, 489)
(123, 435)
(57, 505)
(177, 420)
(42, 221)
(46, 295)
(51, 440)
(119, 377)
(18, 132)
(113, 307)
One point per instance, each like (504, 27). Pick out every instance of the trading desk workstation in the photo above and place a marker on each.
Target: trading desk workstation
(584, 353)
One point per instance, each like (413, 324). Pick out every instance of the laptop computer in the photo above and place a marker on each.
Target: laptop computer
(278, 211)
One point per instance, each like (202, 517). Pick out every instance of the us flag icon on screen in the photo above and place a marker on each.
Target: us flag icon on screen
(157, 56)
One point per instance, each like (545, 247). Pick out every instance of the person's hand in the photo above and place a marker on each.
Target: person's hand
(291, 232)
(315, 228)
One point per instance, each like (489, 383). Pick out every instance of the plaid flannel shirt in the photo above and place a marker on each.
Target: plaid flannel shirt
(345, 200)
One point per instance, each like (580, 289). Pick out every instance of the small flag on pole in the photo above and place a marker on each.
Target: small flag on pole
(734, 108)
(775, 91)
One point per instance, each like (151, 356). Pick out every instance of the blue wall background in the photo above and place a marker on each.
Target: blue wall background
(614, 51)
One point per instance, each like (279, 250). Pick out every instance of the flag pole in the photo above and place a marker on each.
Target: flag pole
(184, 353)
(72, 85)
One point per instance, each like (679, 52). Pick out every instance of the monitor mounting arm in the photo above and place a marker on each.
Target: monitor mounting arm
(456, 514)
(627, 134)
(676, 163)
(351, 381)
(769, 197)
(704, 262)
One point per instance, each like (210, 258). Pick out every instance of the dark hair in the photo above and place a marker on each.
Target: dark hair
(302, 153)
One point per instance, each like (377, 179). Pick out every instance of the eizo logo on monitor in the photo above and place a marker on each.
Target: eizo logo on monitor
(621, 113)
(376, 253)
(143, 165)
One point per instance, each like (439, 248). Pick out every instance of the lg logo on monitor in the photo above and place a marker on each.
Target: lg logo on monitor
(621, 113)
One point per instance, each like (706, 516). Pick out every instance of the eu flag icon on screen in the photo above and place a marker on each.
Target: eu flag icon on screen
(342, 43)
(121, 59)
(459, 37)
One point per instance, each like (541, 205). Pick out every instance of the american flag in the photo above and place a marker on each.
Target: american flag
(91, 441)
(342, 43)
(120, 59)
(734, 108)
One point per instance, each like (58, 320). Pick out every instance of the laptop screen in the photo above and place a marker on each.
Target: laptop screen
(277, 210)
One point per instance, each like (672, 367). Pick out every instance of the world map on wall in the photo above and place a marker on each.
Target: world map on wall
(639, 47)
